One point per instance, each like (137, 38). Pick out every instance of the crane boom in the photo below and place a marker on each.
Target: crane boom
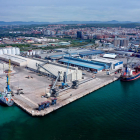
(8, 77)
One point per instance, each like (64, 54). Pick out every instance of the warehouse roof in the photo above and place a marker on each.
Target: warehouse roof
(76, 50)
(60, 55)
(105, 60)
(110, 55)
(14, 58)
(90, 53)
(123, 52)
(53, 69)
(82, 64)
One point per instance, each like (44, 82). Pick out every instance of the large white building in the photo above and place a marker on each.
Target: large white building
(15, 59)
(49, 68)
(113, 64)
(52, 69)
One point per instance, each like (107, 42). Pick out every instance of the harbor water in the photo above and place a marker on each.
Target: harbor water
(110, 113)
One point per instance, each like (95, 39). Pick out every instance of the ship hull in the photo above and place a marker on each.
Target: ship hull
(134, 77)
(4, 103)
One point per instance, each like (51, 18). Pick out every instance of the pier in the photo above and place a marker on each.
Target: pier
(30, 106)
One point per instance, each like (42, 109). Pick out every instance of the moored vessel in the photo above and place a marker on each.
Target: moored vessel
(6, 96)
(130, 74)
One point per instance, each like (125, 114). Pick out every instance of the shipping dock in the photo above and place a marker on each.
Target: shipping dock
(41, 86)
(34, 85)
(65, 97)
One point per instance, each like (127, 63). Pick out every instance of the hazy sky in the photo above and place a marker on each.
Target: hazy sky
(67, 10)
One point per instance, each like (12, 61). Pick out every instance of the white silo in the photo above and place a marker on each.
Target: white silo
(17, 51)
(4, 51)
(30, 52)
(13, 51)
(33, 52)
(1, 52)
(27, 53)
(8, 50)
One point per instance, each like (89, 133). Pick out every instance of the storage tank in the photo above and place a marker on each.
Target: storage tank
(17, 51)
(13, 51)
(30, 53)
(27, 53)
(1, 52)
(8, 50)
(33, 52)
(4, 51)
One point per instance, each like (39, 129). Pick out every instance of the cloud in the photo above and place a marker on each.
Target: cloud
(64, 10)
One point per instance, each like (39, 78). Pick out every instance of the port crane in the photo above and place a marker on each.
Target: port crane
(64, 83)
(8, 77)
(6, 96)
(53, 90)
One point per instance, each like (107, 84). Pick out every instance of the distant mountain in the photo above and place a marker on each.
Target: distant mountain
(115, 21)
(65, 22)
(21, 23)
(94, 22)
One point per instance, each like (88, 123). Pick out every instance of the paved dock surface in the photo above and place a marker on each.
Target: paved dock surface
(35, 85)
(29, 104)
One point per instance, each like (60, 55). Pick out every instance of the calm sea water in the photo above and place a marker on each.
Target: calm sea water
(111, 113)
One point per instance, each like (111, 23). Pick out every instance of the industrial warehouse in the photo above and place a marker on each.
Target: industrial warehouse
(51, 69)
(83, 53)
(94, 64)
(42, 85)
(83, 64)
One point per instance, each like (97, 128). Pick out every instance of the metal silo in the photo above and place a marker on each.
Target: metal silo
(4, 51)
(1, 52)
(17, 51)
(8, 50)
(30, 52)
(13, 51)
(33, 52)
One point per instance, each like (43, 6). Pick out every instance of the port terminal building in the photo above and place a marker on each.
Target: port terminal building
(83, 53)
(90, 53)
(15, 59)
(98, 65)
(47, 68)
(113, 64)
(51, 69)
(84, 64)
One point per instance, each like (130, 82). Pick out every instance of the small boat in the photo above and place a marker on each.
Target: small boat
(6, 98)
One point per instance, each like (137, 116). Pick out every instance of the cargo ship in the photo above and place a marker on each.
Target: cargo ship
(130, 74)
(6, 98)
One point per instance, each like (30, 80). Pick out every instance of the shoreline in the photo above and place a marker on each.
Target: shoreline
(65, 97)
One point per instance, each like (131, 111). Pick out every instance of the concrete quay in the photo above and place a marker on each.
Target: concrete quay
(65, 97)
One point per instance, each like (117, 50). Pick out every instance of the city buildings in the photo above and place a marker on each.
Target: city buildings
(79, 34)
(121, 42)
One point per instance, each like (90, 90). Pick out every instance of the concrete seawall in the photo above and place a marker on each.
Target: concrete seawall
(67, 97)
